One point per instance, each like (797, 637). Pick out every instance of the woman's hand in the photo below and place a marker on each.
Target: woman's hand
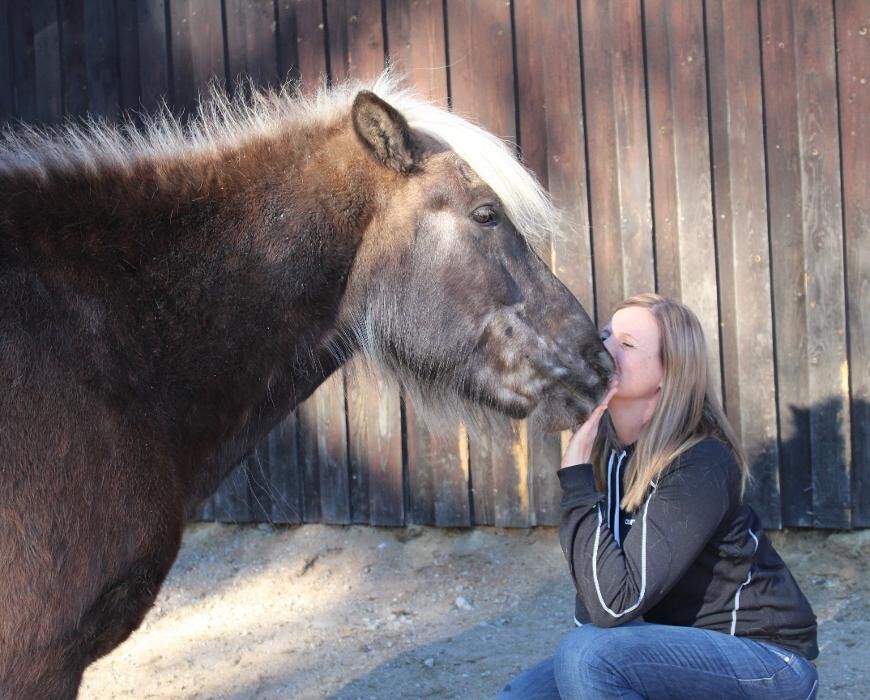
(579, 450)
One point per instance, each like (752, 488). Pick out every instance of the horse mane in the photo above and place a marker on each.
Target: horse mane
(223, 121)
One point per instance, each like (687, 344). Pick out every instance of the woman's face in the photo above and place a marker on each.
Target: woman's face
(632, 338)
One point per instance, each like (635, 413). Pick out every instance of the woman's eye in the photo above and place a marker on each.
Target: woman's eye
(627, 345)
(485, 215)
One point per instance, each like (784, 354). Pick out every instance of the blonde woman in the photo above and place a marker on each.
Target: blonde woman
(679, 591)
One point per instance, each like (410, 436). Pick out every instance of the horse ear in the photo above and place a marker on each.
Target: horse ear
(384, 132)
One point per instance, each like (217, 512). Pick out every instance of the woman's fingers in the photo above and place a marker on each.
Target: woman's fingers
(609, 395)
(580, 445)
(591, 424)
(599, 410)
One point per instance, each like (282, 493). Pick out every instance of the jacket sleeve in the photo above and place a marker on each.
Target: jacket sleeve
(681, 513)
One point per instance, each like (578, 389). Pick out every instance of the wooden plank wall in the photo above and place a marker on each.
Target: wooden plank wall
(713, 150)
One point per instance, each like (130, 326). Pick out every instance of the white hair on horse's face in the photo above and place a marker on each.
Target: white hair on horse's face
(223, 121)
(437, 400)
(528, 205)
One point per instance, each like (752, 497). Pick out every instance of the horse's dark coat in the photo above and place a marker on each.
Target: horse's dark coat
(156, 321)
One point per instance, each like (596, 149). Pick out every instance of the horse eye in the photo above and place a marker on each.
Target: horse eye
(484, 215)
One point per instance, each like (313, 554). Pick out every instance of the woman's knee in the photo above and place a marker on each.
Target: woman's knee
(535, 683)
(589, 660)
(581, 646)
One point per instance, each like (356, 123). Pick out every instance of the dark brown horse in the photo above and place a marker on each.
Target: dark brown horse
(168, 294)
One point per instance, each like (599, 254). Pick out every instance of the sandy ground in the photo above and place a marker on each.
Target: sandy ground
(360, 612)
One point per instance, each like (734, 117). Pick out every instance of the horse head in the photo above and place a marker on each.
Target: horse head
(446, 290)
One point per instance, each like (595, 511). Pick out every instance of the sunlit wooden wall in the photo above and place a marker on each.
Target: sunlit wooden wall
(715, 151)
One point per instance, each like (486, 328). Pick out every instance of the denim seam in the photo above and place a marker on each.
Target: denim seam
(767, 678)
(725, 676)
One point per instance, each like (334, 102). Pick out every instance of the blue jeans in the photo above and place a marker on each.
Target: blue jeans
(643, 660)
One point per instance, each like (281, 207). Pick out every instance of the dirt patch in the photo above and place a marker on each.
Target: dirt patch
(361, 612)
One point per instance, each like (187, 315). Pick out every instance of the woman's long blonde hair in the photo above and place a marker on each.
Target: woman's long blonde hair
(687, 411)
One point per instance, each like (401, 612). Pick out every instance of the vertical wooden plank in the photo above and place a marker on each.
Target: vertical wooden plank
(332, 448)
(311, 43)
(437, 458)
(236, 42)
(545, 455)
(128, 52)
(75, 81)
(787, 265)
(356, 45)
(618, 156)
(252, 50)
(309, 460)
(481, 63)
(231, 502)
(425, 456)
(552, 129)
(853, 50)
(7, 99)
(362, 424)
(356, 38)
(480, 469)
(197, 49)
(482, 87)
(415, 32)
(101, 59)
(285, 482)
(46, 47)
(437, 473)
(259, 483)
(552, 136)
(737, 139)
(807, 257)
(274, 477)
(826, 292)
(287, 38)
(154, 79)
(375, 451)
(23, 61)
(680, 148)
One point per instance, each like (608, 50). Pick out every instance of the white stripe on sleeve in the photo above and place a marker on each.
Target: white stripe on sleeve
(642, 561)
(740, 587)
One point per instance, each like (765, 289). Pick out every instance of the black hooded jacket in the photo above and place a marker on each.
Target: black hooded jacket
(692, 555)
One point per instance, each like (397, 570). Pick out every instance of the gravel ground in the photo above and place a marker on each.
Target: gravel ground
(360, 612)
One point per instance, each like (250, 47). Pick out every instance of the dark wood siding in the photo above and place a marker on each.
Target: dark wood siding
(714, 151)
(853, 76)
(742, 241)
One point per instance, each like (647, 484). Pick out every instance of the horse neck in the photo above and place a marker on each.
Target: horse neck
(203, 290)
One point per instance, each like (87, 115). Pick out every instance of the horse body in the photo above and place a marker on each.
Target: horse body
(159, 315)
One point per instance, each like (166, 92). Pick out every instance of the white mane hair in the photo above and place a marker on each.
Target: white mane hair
(528, 205)
(222, 121)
